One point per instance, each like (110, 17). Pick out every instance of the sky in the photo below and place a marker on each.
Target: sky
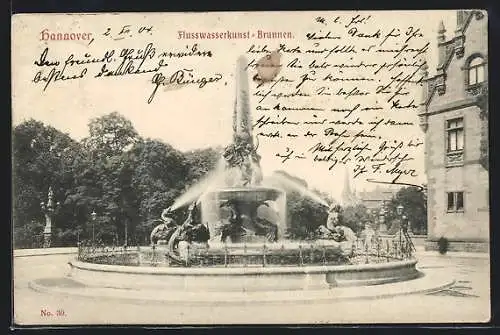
(187, 118)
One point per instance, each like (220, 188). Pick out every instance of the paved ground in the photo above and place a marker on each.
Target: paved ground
(467, 301)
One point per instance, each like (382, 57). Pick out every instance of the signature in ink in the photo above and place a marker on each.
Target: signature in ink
(181, 77)
(420, 188)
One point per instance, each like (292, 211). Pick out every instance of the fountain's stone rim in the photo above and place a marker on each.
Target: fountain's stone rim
(223, 279)
(223, 271)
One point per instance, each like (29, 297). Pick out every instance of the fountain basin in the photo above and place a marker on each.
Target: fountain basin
(246, 279)
(250, 203)
(251, 193)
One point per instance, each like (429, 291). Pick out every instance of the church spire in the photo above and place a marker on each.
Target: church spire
(348, 198)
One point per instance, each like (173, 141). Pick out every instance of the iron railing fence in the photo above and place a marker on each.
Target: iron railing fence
(374, 250)
(38, 241)
(100, 253)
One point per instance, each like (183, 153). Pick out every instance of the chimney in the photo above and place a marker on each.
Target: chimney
(459, 34)
(441, 31)
(441, 45)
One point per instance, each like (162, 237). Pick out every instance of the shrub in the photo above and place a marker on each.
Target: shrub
(443, 245)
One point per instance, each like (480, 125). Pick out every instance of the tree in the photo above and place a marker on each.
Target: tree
(84, 197)
(414, 201)
(355, 217)
(307, 208)
(104, 178)
(158, 179)
(42, 157)
(200, 162)
(110, 135)
(304, 215)
(118, 196)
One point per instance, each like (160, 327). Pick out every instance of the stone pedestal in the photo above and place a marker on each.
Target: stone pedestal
(249, 204)
(47, 232)
(47, 239)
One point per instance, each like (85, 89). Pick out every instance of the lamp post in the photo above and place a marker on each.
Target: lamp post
(402, 217)
(93, 215)
(404, 227)
(371, 222)
(49, 209)
(126, 234)
(399, 210)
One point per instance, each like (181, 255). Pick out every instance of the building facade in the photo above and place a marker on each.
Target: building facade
(378, 197)
(454, 118)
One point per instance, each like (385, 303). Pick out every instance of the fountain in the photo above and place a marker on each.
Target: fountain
(233, 237)
(237, 197)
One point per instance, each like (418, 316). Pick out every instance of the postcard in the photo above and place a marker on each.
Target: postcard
(326, 167)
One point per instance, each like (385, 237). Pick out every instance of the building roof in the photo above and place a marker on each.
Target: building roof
(378, 194)
(464, 18)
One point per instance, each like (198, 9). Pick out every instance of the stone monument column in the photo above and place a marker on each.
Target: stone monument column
(49, 210)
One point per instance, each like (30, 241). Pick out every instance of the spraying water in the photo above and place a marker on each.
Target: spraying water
(217, 178)
(298, 187)
(195, 192)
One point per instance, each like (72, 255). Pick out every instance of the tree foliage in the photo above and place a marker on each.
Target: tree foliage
(111, 135)
(355, 217)
(43, 157)
(304, 215)
(414, 202)
(126, 180)
(200, 162)
(159, 178)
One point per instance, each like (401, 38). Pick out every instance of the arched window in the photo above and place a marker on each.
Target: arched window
(476, 70)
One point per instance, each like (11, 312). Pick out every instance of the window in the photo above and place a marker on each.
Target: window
(455, 131)
(455, 201)
(476, 71)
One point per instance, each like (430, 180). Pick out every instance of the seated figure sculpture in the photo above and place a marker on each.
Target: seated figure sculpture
(324, 233)
(264, 227)
(334, 230)
(345, 234)
(192, 230)
(267, 228)
(163, 231)
(240, 225)
(329, 231)
(333, 217)
(233, 229)
(191, 233)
